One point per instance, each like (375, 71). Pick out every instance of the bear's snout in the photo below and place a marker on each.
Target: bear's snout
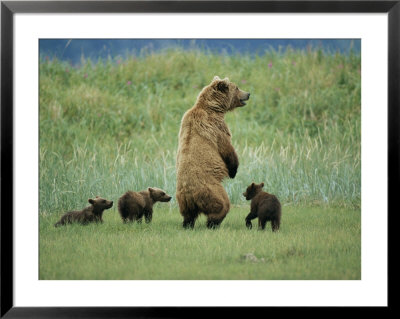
(165, 198)
(244, 98)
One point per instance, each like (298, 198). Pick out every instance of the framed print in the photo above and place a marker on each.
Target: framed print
(143, 142)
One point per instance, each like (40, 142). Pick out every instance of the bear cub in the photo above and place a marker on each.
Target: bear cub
(92, 213)
(133, 205)
(263, 205)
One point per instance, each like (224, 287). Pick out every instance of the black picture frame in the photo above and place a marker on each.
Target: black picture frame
(9, 8)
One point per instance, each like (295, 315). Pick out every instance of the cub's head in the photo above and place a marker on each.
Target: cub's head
(223, 95)
(100, 203)
(158, 195)
(252, 190)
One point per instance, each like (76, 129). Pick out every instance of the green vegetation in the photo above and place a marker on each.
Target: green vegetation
(110, 126)
(313, 243)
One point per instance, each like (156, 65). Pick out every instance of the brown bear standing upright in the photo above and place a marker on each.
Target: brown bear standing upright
(133, 205)
(263, 205)
(92, 213)
(206, 155)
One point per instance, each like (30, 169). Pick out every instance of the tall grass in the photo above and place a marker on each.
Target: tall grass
(109, 126)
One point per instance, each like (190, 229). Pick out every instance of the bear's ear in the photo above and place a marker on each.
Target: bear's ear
(223, 85)
(262, 184)
(216, 78)
(252, 185)
(91, 201)
(150, 189)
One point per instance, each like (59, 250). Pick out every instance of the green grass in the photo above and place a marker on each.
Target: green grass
(110, 126)
(313, 243)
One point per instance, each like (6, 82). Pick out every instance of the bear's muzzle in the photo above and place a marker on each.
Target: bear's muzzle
(245, 98)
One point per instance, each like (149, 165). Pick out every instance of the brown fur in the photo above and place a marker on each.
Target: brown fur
(133, 205)
(92, 213)
(206, 155)
(263, 205)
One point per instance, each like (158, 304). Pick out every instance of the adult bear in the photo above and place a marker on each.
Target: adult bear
(206, 155)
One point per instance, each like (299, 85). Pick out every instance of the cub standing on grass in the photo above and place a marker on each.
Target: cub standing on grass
(92, 213)
(265, 206)
(133, 205)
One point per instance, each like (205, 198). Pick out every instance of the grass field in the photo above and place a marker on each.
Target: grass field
(313, 243)
(110, 126)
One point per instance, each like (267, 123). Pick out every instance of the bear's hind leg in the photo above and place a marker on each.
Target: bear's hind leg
(188, 210)
(214, 223)
(261, 223)
(131, 217)
(188, 223)
(275, 223)
(215, 207)
(189, 218)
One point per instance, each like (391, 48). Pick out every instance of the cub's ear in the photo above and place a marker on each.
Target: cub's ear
(252, 184)
(91, 201)
(216, 78)
(150, 189)
(262, 184)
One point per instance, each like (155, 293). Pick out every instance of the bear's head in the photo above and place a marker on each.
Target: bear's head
(253, 190)
(158, 195)
(223, 95)
(100, 203)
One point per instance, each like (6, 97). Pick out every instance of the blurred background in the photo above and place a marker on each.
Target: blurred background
(74, 49)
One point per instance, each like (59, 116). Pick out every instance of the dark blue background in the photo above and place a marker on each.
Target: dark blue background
(73, 50)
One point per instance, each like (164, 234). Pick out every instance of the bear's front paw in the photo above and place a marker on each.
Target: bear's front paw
(249, 225)
(232, 172)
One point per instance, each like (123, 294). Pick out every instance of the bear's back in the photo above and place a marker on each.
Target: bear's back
(80, 216)
(132, 199)
(267, 204)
